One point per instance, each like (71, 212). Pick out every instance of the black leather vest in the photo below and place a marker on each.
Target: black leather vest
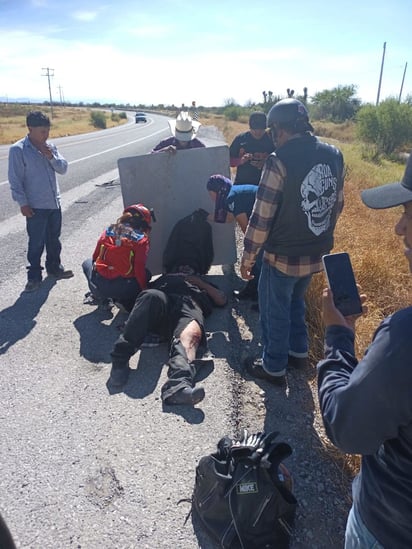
(307, 215)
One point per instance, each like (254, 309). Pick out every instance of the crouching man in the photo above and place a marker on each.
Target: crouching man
(174, 307)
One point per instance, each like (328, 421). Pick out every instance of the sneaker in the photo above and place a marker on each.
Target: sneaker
(151, 340)
(61, 273)
(255, 369)
(105, 304)
(32, 286)
(187, 395)
(90, 299)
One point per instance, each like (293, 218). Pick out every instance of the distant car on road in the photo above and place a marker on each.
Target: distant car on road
(140, 117)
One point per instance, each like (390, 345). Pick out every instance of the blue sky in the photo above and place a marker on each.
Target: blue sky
(177, 51)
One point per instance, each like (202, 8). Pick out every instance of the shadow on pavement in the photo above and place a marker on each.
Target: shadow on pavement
(17, 321)
(96, 337)
(144, 380)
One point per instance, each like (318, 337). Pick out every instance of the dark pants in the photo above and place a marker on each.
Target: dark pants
(44, 230)
(167, 315)
(122, 290)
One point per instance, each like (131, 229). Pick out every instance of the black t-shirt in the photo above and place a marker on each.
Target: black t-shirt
(259, 148)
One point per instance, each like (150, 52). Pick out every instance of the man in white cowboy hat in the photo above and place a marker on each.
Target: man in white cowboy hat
(184, 131)
(367, 406)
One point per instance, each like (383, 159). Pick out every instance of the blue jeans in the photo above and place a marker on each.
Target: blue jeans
(44, 230)
(282, 317)
(357, 536)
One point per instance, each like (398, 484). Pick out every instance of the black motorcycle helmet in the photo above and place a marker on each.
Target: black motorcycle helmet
(290, 114)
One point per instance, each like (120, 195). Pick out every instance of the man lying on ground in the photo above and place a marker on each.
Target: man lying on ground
(174, 307)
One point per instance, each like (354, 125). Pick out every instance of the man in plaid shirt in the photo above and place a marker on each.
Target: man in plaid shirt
(299, 199)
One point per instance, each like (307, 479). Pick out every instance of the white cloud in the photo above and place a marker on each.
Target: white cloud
(132, 74)
(85, 15)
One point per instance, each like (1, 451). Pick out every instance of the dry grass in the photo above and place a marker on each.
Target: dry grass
(345, 132)
(66, 121)
(376, 253)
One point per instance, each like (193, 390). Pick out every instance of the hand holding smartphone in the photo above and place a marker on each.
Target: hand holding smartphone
(341, 280)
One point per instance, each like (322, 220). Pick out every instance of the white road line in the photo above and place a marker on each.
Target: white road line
(17, 222)
(105, 151)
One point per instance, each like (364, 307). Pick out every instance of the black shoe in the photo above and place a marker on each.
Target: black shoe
(187, 395)
(61, 273)
(255, 369)
(248, 292)
(32, 286)
(119, 376)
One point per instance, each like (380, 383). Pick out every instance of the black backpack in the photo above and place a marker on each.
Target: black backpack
(190, 243)
(243, 493)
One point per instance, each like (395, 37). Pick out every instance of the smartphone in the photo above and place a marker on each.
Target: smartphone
(341, 281)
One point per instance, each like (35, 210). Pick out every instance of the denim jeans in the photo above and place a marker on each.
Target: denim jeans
(44, 232)
(357, 536)
(282, 317)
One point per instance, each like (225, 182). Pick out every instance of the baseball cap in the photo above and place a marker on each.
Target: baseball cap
(257, 121)
(391, 194)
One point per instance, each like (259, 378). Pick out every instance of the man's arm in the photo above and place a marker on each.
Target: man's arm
(364, 404)
(217, 296)
(268, 197)
(16, 176)
(234, 153)
(57, 161)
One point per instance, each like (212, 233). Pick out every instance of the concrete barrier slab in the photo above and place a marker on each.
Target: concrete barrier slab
(174, 185)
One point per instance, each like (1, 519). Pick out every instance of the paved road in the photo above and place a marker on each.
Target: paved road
(81, 467)
(90, 155)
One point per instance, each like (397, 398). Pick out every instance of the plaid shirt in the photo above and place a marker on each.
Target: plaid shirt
(268, 198)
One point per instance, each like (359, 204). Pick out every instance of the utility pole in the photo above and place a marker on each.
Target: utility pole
(61, 95)
(403, 80)
(380, 77)
(49, 72)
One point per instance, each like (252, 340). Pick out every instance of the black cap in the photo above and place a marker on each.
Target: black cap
(391, 194)
(257, 121)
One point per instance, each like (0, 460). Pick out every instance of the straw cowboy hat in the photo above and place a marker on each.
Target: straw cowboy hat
(184, 128)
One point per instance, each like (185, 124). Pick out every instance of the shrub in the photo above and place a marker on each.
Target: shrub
(98, 119)
(233, 112)
(123, 115)
(338, 104)
(387, 125)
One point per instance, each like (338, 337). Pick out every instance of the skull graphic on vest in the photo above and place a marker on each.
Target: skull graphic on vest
(319, 193)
